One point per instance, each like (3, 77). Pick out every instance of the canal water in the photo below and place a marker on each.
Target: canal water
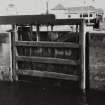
(40, 93)
(22, 93)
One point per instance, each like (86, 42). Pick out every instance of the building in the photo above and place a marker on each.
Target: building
(86, 12)
(11, 9)
(59, 11)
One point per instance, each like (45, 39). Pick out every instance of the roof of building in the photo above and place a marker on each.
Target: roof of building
(79, 9)
(84, 9)
(59, 7)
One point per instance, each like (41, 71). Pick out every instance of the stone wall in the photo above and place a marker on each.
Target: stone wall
(5, 73)
(97, 61)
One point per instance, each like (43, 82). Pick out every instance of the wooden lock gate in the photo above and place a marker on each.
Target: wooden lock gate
(47, 53)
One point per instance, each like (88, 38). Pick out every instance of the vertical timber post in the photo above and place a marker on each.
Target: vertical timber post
(51, 28)
(37, 33)
(10, 57)
(82, 42)
(13, 38)
(87, 63)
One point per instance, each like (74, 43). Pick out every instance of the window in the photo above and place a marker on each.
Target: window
(80, 15)
(69, 16)
(91, 15)
(85, 15)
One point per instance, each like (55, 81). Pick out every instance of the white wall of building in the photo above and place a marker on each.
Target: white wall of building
(63, 14)
(59, 14)
(75, 15)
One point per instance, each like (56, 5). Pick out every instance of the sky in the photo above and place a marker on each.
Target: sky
(39, 6)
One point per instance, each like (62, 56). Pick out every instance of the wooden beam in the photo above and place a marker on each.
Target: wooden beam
(13, 48)
(82, 42)
(28, 19)
(47, 74)
(87, 63)
(47, 60)
(47, 44)
(51, 28)
(83, 76)
(37, 33)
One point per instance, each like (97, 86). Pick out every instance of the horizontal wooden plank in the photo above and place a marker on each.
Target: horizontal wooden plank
(28, 19)
(47, 74)
(47, 44)
(47, 60)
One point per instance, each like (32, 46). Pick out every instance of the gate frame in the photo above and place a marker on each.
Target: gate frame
(48, 20)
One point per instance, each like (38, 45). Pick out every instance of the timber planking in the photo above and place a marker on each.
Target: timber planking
(47, 60)
(47, 44)
(47, 74)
